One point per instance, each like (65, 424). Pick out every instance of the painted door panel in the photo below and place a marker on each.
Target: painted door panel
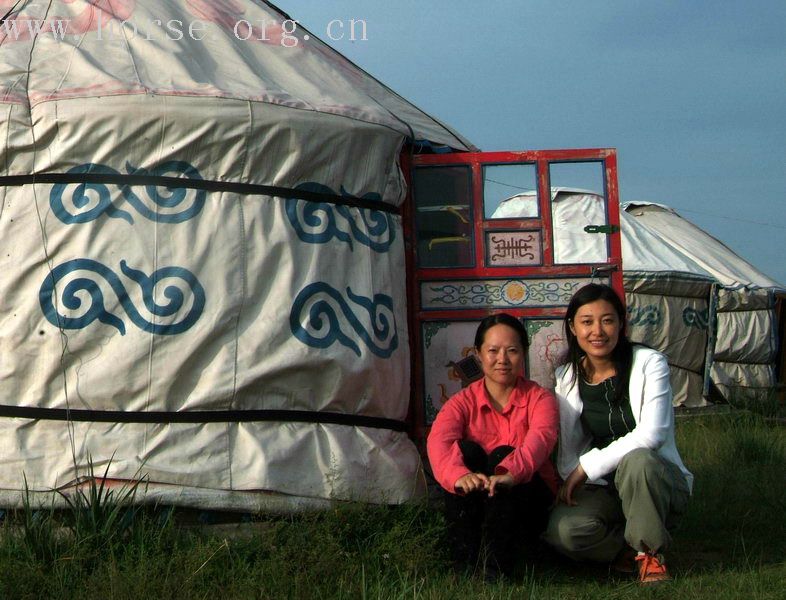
(518, 232)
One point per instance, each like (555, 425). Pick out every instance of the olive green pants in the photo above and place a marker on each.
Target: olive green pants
(651, 494)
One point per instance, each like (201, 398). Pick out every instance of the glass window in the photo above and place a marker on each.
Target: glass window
(443, 216)
(578, 209)
(510, 191)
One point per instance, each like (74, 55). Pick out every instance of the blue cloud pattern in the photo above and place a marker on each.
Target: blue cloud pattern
(79, 198)
(320, 222)
(330, 319)
(71, 297)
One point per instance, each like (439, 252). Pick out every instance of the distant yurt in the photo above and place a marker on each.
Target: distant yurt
(203, 265)
(713, 314)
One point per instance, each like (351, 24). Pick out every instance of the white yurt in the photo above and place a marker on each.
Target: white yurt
(203, 265)
(712, 312)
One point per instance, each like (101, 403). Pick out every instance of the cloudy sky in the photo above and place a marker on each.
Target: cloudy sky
(692, 94)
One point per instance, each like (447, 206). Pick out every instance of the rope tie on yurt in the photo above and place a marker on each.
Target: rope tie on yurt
(10, 11)
(198, 184)
(200, 416)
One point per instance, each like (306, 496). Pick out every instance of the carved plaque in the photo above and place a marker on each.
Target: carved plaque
(513, 248)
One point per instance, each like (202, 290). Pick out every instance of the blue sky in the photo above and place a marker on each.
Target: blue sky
(692, 94)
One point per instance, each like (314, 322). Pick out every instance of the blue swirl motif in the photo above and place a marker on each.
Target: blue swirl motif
(171, 200)
(476, 294)
(493, 294)
(645, 315)
(317, 222)
(698, 319)
(71, 300)
(324, 324)
(553, 292)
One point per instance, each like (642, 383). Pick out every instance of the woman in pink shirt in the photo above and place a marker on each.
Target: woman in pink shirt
(489, 449)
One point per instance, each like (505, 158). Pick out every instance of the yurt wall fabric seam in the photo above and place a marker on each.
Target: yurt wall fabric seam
(244, 291)
(166, 94)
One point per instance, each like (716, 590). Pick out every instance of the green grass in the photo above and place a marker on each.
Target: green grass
(731, 544)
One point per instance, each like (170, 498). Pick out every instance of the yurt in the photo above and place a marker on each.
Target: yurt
(712, 312)
(203, 266)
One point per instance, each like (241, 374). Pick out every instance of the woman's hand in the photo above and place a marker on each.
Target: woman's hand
(471, 482)
(574, 480)
(495, 481)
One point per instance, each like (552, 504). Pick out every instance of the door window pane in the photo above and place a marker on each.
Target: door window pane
(510, 191)
(443, 216)
(578, 209)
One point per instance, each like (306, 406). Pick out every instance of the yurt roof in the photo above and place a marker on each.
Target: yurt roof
(81, 53)
(656, 238)
(645, 250)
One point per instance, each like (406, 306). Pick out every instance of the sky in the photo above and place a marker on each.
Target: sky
(691, 94)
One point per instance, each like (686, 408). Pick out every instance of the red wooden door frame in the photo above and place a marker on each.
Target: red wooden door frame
(612, 268)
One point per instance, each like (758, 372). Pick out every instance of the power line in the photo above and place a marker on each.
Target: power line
(699, 212)
(510, 185)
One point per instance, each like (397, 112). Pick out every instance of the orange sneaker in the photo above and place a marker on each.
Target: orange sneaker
(651, 568)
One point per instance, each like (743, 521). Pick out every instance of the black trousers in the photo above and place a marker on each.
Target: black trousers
(487, 531)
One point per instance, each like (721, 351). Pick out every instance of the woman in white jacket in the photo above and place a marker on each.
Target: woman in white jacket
(625, 484)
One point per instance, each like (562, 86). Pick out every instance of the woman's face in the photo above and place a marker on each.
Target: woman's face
(597, 328)
(501, 355)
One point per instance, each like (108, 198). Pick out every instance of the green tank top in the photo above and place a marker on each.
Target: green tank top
(601, 416)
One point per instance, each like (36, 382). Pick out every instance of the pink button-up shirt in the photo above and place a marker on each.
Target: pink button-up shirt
(529, 423)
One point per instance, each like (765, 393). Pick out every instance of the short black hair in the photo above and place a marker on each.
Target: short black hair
(501, 319)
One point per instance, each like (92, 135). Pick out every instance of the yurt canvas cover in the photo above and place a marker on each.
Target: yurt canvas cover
(710, 310)
(202, 267)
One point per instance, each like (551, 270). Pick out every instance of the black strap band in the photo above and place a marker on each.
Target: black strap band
(200, 416)
(197, 184)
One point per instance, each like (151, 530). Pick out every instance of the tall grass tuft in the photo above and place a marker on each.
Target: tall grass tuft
(99, 516)
(37, 529)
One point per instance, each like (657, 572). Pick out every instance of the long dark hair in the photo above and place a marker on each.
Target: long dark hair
(501, 319)
(621, 356)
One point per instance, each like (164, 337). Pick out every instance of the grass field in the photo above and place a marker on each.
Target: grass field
(731, 544)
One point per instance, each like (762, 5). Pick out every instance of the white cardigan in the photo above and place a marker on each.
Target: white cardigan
(651, 405)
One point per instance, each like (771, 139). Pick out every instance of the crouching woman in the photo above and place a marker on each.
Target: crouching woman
(489, 449)
(625, 485)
